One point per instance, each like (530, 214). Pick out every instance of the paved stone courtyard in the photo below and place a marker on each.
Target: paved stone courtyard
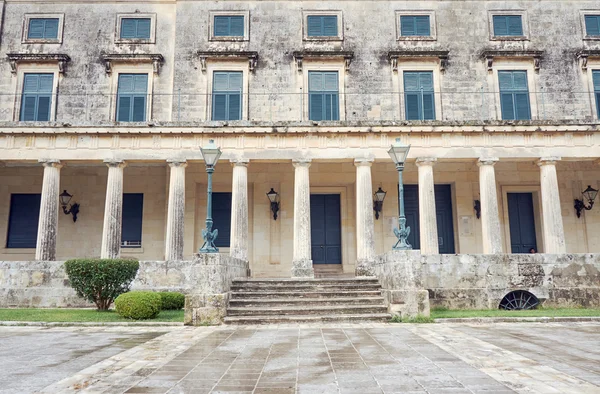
(357, 358)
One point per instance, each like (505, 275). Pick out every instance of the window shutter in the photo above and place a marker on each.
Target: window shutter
(36, 28)
(520, 80)
(411, 81)
(23, 220)
(236, 26)
(316, 106)
(45, 83)
(507, 106)
(315, 81)
(221, 26)
(51, 28)
(412, 106)
(596, 79)
(43, 112)
(515, 25)
(330, 81)
(30, 83)
(143, 28)
(428, 106)
(505, 79)
(314, 26)
(426, 81)
(235, 81)
(422, 25)
(140, 83)
(592, 25)
(219, 106)
(330, 26)
(235, 107)
(28, 108)
(222, 218)
(131, 228)
(127, 28)
(125, 83)
(123, 108)
(500, 25)
(522, 106)
(139, 109)
(407, 26)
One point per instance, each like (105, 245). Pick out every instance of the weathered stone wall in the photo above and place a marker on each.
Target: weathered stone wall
(481, 281)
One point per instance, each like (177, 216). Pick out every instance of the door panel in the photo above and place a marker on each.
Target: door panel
(326, 229)
(521, 222)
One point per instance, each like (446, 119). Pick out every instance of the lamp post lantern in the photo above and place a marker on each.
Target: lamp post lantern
(210, 154)
(398, 153)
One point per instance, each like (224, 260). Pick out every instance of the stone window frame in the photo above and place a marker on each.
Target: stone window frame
(340, 23)
(524, 22)
(211, 23)
(514, 64)
(128, 68)
(314, 64)
(428, 64)
(432, 25)
(36, 68)
(121, 16)
(59, 36)
(535, 190)
(215, 65)
(582, 15)
(593, 64)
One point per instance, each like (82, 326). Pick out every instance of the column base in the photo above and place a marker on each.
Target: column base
(364, 268)
(302, 269)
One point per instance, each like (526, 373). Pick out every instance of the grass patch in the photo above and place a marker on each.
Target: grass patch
(417, 319)
(440, 313)
(80, 315)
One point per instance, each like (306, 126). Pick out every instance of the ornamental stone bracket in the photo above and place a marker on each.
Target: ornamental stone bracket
(251, 56)
(346, 56)
(535, 55)
(155, 58)
(396, 56)
(583, 55)
(15, 59)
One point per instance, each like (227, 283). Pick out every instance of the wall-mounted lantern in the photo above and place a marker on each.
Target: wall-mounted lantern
(589, 195)
(378, 198)
(274, 199)
(477, 208)
(65, 198)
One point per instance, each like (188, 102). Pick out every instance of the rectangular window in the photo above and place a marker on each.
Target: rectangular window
(222, 218)
(415, 26)
(228, 26)
(131, 230)
(227, 95)
(508, 25)
(514, 95)
(592, 25)
(323, 95)
(322, 26)
(419, 96)
(132, 93)
(596, 79)
(37, 97)
(43, 28)
(23, 220)
(136, 28)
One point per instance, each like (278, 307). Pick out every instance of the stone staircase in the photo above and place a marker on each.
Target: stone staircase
(266, 301)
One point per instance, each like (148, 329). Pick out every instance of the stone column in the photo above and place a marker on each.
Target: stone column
(554, 233)
(365, 226)
(302, 258)
(239, 210)
(490, 221)
(175, 211)
(45, 249)
(113, 211)
(427, 213)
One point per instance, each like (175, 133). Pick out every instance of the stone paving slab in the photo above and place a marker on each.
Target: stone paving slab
(334, 358)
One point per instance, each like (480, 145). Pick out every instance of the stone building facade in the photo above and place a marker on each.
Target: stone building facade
(250, 75)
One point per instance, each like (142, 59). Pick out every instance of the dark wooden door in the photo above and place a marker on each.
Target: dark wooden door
(326, 228)
(443, 207)
(521, 222)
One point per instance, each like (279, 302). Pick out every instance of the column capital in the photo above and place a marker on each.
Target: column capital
(239, 162)
(487, 161)
(177, 162)
(301, 162)
(426, 161)
(115, 163)
(50, 163)
(364, 161)
(549, 160)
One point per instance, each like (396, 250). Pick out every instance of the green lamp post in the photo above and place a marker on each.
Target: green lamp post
(210, 154)
(398, 153)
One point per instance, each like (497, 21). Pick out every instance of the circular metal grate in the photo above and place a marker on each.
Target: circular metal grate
(518, 300)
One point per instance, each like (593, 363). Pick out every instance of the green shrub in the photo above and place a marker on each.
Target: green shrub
(172, 300)
(138, 305)
(101, 280)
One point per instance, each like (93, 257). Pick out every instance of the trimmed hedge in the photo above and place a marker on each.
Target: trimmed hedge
(138, 305)
(101, 280)
(172, 300)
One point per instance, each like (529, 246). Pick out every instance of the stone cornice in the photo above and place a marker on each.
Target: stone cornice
(15, 58)
(395, 56)
(155, 58)
(346, 56)
(584, 54)
(489, 56)
(251, 56)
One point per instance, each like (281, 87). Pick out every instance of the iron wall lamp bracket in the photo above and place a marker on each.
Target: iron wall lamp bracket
(379, 196)
(477, 208)
(588, 194)
(274, 200)
(65, 198)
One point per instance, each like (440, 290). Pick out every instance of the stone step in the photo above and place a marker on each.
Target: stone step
(317, 281)
(347, 318)
(305, 287)
(277, 302)
(302, 295)
(306, 310)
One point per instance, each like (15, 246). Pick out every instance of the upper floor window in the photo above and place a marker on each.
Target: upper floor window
(23, 220)
(415, 25)
(514, 95)
(323, 97)
(43, 28)
(508, 25)
(136, 28)
(227, 95)
(36, 101)
(228, 26)
(322, 25)
(592, 25)
(596, 81)
(419, 95)
(131, 228)
(132, 92)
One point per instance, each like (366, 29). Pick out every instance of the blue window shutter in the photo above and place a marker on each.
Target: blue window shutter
(522, 106)
(407, 26)
(330, 81)
(500, 25)
(36, 28)
(227, 95)
(36, 100)
(507, 106)
(139, 109)
(412, 106)
(23, 220)
(428, 106)
(514, 95)
(596, 81)
(592, 25)
(51, 28)
(222, 218)
(131, 229)
(43, 112)
(330, 26)
(505, 79)
(323, 95)
(315, 106)
(314, 26)
(132, 94)
(128, 27)
(219, 106)
(125, 83)
(28, 109)
(221, 26)
(419, 95)
(422, 25)
(236, 26)
(235, 107)
(143, 28)
(124, 108)
(515, 25)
